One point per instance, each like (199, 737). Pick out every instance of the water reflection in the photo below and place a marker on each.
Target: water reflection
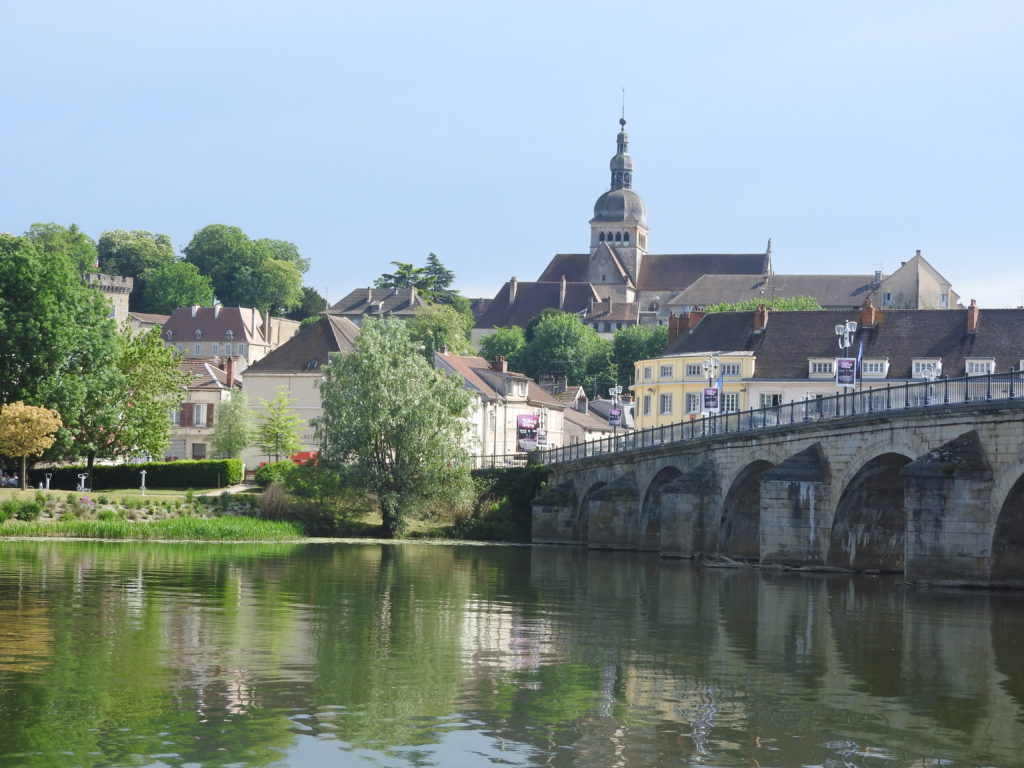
(251, 655)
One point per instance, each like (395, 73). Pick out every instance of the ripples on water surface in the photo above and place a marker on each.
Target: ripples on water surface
(121, 654)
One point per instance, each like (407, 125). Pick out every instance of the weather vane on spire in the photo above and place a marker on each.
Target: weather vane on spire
(622, 121)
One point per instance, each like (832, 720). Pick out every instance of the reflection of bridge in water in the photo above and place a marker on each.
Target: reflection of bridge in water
(787, 655)
(925, 479)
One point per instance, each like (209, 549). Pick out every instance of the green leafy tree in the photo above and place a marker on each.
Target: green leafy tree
(53, 238)
(436, 327)
(171, 286)
(793, 303)
(311, 305)
(636, 342)
(125, 412)
(392, 425)
(57, 341)
(505, 342)
(278, 431)
(561, 342)
(266, 274)
(132, 253)
(433, 281)
(26, 430)
(234, 430)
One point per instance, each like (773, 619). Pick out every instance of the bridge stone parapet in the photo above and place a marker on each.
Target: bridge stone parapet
(936, 492)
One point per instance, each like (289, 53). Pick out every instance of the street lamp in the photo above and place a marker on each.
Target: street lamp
(711, 367)
(614, 414)
(844, 335)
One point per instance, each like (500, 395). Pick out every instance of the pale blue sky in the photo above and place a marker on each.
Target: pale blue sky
(851, 134)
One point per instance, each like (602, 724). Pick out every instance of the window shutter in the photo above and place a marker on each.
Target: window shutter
(184, 415)
(209, 415)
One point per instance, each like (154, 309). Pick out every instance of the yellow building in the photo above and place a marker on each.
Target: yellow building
(671, 389)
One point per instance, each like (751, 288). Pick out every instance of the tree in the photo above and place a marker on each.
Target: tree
(778, 305)
(57, 341)
(70, 241)
(504, 342)
(166, 288)
(433, 281)
(234, 430)
(125, 412)
(392, 425)
(636, 342)
(27, 430)
(436, 327)
(278, 432)
(132, 253)
(266, 274)
(561, 342)
(312, 304)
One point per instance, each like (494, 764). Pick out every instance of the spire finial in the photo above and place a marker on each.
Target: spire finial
(622, 120)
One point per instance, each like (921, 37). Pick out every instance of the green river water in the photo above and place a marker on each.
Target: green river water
(369, 654)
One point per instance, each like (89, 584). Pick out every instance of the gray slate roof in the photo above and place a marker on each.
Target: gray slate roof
(309, 350)
(790, 338)
(531, 299)
(378, 302)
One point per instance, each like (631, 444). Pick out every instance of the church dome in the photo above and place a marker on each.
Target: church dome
(620, 205)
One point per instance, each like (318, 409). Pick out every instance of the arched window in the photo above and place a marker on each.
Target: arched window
(600, 238)
(199, 334)
(229, 334)
(169, 335)
(625, 237)
(618, 237)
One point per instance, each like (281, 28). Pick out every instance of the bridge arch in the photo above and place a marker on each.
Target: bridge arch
(739, 531)
(870, 522)
(1008, 540)
(581, 525)
(659, 495)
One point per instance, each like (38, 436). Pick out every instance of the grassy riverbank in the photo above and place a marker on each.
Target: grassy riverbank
(169, 529)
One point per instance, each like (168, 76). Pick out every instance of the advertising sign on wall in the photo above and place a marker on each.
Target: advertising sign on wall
(526, 432)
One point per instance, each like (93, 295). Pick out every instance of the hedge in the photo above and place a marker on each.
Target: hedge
(211, 473)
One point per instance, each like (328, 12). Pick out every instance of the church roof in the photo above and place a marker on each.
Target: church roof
(676, 271)
(531, 298)
(378, 302)
(620, 205)
(831, 291)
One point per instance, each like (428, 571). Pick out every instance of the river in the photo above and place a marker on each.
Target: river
(369, 654)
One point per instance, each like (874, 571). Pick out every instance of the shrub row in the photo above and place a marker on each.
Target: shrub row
(211, 473)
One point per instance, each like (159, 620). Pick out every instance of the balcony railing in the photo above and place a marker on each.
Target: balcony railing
(938, 392)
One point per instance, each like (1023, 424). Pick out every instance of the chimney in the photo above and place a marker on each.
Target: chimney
(972, 316)
(693, 318)
(195, 310)
(499, 364)
(917, 252)
(760, 318)
(878, 277)
(673, 325)
(369, 295)
(412, 296)
(561, 294)
(229, 370)
(513, 284)
(266, 327)
(216, 310)
(867, 314)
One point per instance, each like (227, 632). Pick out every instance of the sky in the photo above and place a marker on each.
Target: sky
(852, 134)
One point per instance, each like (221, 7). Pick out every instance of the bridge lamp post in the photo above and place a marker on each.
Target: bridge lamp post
(711, 366)
(844, 334)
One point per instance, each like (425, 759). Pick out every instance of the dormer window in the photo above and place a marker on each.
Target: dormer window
(229, 334)
(927, 368)
(313, 364)
(979, 366)
(169, 335)
(874, 369)
(199, 334)
(821, 368)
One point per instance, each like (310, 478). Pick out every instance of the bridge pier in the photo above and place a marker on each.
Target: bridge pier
(795, 510)
(554, 517)
(949, 514)
(689, 508)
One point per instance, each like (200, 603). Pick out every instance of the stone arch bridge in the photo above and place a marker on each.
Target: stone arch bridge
(935, 492)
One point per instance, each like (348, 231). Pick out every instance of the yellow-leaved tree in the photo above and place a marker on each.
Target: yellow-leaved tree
(26, 430)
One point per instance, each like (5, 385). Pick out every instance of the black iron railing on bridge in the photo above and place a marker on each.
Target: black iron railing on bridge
(995, 386)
